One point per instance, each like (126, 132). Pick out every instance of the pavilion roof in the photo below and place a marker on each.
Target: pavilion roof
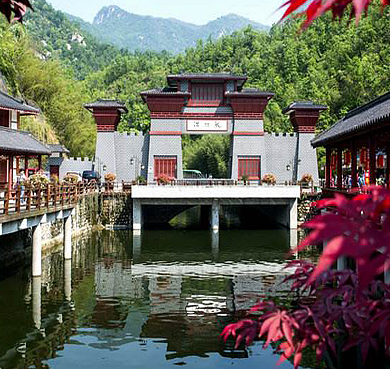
(106, 103)
(21, 142)
(303, 105)
(356, 121)
(206, 76)
(58, 148)
(11, 103)
(166, 91)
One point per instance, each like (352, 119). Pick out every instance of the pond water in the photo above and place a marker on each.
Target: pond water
(156, 300)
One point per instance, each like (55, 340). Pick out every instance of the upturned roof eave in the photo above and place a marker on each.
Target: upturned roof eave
(342, 136)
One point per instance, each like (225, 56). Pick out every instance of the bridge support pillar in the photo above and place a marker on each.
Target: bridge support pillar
(137, 242)
(68, 238)
(215, 216)
(294, 240)
(137, 215)
(293, 221)
(37, 251)
(215, 244)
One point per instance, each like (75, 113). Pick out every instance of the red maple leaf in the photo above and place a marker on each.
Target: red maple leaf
(315, 8)
(16, 7)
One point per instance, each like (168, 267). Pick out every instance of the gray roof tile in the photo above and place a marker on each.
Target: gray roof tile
(11, 103)
(165, 91)
(356, 120)
(172, 78)
(250, 92)
(303, 105)
(21, 142)
(58, 148)
(206, 75)
(105, 103)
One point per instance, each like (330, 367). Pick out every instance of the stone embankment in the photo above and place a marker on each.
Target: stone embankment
(104, 210)
(305, 209)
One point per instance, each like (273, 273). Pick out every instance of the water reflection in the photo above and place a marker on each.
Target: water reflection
(154, 299)
(36, 301)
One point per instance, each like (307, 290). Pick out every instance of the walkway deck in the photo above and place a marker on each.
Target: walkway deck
(24, 209)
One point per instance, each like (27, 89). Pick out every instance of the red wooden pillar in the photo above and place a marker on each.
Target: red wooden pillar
(39, 162)
(354, 181)
(26, 164)
(10, 172)
(387, 166)
(372, 161)
(328, 167)
(339, 168)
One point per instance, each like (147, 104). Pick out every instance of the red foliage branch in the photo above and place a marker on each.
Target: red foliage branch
(332, 304)
(315, 8)
(16, 7)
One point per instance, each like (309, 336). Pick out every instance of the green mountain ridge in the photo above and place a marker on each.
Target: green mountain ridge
(57, 37)
(136, 32)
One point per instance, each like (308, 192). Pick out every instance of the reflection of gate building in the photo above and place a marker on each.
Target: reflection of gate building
(199, 104)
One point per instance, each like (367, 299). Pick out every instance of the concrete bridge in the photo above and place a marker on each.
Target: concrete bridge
(281, 201)
(34, 207)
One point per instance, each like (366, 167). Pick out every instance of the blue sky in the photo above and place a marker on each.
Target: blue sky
(198, 12)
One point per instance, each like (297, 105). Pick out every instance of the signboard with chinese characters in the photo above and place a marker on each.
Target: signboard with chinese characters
(207, 125)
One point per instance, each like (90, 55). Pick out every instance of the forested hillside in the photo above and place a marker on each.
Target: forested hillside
(57, 37)
(334, 63)
(48, 85)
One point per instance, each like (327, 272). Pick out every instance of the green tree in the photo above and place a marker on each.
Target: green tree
(209, 154)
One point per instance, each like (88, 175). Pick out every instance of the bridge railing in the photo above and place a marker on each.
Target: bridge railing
(26, 199)
(218, 182)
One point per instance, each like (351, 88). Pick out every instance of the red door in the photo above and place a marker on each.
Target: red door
(249, 167)
(4, 118)
(3, 171)
(165, 166)
(55, 170)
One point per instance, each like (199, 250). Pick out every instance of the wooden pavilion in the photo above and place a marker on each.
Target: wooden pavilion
(358, 147)
(16, 147)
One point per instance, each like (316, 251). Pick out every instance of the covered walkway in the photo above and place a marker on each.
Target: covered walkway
(358, 147)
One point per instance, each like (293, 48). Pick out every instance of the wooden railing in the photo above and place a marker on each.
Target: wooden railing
(23, 199)
(219, 182)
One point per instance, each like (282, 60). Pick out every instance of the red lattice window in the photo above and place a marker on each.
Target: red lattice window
(207, 94)
(250, 167)
(165, 166)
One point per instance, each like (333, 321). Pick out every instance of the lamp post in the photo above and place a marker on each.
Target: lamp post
(134, 162)
(293, 164)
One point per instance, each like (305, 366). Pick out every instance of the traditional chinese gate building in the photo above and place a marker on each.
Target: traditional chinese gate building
(358, 147)
(199, 104)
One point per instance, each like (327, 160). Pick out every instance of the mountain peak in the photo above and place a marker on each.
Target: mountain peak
(108, 13)
(140, 32)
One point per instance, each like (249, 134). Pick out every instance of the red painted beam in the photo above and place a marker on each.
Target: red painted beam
(339, 168)
(354, 181)
(238, 133)
(328, 167)
(165, 133)
(372, 161)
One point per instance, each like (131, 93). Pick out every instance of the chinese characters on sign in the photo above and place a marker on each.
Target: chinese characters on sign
(207, 125)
